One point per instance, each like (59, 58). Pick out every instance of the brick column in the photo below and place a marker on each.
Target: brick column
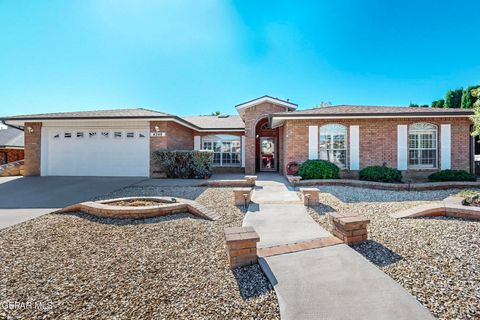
(33, 147)
(241, 243)
(157, 143)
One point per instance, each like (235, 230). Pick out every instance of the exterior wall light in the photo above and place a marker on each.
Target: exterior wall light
(30, 129)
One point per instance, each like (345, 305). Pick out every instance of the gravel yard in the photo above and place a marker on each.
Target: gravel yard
(436, 259)
(171, 267)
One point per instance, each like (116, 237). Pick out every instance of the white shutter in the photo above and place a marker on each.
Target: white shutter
(312, 142)
(446, 146)
(197, 143)
(354, 147)
(243, 151)
(402, 149)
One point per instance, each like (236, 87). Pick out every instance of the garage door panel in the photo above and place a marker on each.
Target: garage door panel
(98, 152)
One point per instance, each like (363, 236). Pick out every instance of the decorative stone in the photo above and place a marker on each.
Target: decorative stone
(241, 244)
(242, 196)
(310, 196)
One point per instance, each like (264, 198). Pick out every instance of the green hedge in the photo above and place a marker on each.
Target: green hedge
(318, 169)
(380, 174)
(184, 164)
(452, 175)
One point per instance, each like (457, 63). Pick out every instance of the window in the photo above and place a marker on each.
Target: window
(56, 136)
(422, 143)
(226, 149)
(79, 135)
(333, 144)
(67, 135)
(117, 135)
(130, 135)
(105, 134)
(92, 134)
(142, 135)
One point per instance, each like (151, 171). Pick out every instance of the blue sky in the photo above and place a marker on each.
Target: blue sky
(195, 57)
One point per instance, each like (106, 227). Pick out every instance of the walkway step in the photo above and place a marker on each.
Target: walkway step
(299, 246)
(282, 224)
(336, 282)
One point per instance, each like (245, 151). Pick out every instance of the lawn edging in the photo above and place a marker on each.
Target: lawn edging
(297, 181)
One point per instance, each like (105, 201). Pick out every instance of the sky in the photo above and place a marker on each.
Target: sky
(196, 57)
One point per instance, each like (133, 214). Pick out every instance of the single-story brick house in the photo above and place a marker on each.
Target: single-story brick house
(266, 134)
(11, 145)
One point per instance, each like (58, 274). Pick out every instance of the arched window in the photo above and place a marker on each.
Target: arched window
(333, 144)
(226, 149)
(422, 145)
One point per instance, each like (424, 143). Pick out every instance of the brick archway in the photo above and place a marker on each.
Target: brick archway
(262, 130)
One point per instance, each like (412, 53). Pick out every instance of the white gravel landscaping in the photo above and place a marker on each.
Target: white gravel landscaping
(436, 259)
(172, 267)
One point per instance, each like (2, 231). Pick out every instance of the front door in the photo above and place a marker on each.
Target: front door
(268, 154)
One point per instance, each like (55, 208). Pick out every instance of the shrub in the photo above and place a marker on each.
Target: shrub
(184, 164)
(318, 169)
(380, 174)
(451, 175)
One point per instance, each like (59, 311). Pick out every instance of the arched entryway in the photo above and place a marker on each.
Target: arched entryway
(266, 147)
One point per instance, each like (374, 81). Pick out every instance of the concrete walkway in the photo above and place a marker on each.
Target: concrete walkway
(333, 282)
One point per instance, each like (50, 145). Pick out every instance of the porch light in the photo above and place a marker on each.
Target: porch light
(30, 129)
(157, 129)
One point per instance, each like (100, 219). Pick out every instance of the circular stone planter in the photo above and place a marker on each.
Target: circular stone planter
(166, 206)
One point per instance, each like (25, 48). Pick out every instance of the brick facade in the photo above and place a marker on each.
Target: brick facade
(251, 118)
(378, 140)
(33, 141)
(10, 155)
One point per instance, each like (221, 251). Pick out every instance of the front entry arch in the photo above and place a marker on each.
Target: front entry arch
(266, 147)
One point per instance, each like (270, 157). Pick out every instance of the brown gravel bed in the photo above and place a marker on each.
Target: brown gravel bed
(435, 259)
(170, 267)
(137, 203)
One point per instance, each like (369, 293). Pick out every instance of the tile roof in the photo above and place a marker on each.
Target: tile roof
(216, 122)
(351, 110)
(11, 137)
(116, 113)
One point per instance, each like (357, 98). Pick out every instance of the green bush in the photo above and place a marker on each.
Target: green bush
(380, 174)
(318, 169)
(184, 164)
(451, 175)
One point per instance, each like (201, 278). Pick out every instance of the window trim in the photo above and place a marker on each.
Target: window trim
(436, 136)
(346, 146)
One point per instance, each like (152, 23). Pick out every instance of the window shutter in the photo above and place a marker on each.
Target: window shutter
(354, 147)
(402, 148)
(197, 143)
(445, 146)
(243, 151)
(312, 142)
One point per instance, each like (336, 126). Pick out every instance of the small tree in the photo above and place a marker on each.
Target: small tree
(468, 99)
(476, 116)
(438, 103)
(216, 113)
(413, 105)
(453, 98)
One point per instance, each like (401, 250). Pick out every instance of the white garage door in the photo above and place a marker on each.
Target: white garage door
(95, 152)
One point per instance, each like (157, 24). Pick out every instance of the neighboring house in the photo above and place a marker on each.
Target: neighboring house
(267, 134)
(11, 145)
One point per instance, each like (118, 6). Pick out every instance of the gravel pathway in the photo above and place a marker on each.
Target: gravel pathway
(171, 267)
(436, 259)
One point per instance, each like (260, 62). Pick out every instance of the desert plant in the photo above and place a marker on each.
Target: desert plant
(318, 169)
(380, 174)
(451, 175)
(184, 164)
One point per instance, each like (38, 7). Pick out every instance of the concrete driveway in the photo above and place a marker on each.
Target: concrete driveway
(24, 198)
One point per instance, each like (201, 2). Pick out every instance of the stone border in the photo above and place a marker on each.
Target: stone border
(104, 210)
(296, 181)
(350, 229)
(249, 181)
(450, 207)
(16, 168)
